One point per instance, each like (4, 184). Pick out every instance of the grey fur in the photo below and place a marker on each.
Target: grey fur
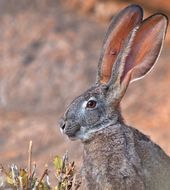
(116, 156)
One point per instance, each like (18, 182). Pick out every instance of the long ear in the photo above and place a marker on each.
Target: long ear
(140, 52)
(118, 31)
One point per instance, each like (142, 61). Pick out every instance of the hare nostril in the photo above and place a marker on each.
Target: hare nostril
(63, 126)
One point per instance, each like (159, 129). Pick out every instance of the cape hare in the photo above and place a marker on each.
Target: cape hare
(117, 156)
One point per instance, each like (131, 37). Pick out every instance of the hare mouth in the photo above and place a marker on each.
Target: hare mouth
(72, 138)
(72, 131)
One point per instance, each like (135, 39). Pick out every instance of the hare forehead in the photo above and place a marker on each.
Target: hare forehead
(81, 101)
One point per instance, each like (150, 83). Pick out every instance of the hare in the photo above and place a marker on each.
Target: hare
(117, 156)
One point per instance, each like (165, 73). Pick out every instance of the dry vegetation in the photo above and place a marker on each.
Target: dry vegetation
(17, 178)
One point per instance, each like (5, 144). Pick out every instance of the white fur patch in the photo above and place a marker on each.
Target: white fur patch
(61, 130)
(84, 104)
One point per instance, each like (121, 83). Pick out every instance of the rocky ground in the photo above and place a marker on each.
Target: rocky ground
(48, 55)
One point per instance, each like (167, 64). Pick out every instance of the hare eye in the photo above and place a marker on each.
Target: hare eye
(91, 104)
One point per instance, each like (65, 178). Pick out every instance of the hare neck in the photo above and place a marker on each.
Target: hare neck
(105, 155)
(104, 143)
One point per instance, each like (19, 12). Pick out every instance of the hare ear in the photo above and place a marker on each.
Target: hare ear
(140, 52)
(119, 29)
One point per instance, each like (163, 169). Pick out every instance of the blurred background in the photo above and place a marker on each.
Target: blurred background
(48, 55)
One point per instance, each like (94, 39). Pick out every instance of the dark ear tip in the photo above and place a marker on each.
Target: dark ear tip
(136, 8)
(166, 20)
(163, 17)
(159, 19)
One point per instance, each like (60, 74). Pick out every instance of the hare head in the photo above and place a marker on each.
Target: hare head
(130, 49)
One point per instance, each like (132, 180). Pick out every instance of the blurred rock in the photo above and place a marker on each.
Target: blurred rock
(104, 10)
(48, 56)
(40, 60)
(155, 5)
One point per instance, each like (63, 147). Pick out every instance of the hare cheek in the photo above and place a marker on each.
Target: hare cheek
(88, 117)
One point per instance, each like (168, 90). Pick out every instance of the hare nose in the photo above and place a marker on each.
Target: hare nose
(62, 124)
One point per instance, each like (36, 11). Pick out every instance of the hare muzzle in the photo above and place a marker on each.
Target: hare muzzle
(68, 128)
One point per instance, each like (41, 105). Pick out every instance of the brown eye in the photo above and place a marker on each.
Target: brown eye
(91, 104)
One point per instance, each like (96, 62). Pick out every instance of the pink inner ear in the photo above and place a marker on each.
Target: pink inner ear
(121, 26)
(127, 68)
(145, 47)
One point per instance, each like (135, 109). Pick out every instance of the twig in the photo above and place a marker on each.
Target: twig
(33, 171)
(48, 180)
(30, 159)
(65, 158)
(20, 183)
(44, 173)
(27, 188)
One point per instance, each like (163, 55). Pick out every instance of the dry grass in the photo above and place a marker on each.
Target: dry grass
(17, 178)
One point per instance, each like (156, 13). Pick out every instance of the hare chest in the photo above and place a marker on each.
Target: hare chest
(98, 179)
(124, 160)
(108, 165)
